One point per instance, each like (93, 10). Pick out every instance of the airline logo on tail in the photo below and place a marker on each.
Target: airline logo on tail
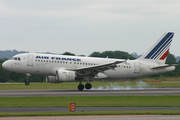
(161, 48)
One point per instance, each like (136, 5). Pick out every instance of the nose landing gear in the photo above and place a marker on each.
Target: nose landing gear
(27, 82)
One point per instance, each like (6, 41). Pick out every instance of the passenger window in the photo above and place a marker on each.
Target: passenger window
(19, 59)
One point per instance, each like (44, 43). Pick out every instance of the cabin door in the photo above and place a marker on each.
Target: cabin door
(136, 68)
(29, 60)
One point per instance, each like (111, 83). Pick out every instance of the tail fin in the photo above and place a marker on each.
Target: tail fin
(159, 51)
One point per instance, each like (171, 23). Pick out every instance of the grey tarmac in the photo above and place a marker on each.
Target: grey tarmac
(97, 117)
(122, 92)
(81, 109)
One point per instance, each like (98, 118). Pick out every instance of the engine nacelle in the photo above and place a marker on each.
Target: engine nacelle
(52, 79)
(65, 75)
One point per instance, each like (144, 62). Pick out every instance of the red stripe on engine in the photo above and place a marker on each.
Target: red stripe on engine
(165, 55)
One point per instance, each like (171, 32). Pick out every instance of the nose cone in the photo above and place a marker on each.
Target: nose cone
(5, 65)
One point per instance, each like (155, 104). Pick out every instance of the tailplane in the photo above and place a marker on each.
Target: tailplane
(159, 51)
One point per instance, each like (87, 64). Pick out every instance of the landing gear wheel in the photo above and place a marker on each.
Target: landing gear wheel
(80, 87)
(27, 83)
(88, 86)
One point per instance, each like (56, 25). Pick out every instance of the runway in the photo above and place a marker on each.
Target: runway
(81, 109)
(122, 92)
(96, 117)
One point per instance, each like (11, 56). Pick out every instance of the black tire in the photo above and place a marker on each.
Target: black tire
(27, 83)
(80, 87)
(88, 86)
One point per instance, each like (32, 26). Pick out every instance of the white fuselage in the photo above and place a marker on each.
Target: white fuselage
(47, 64)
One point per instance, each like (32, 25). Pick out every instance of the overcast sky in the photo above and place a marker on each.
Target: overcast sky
(85, 26)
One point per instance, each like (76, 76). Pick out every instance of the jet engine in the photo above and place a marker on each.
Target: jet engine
(65, 75)
(52, 79)
(61, 76)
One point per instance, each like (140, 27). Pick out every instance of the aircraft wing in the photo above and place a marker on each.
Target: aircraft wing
(94, 70)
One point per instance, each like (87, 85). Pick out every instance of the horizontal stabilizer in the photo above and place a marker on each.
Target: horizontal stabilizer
(163, 66)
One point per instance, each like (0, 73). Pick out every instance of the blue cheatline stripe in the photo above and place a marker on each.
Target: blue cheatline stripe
(167, 45)
(158, 45)
(162, 46)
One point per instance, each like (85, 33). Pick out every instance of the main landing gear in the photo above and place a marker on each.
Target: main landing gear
(27, 81)
(87, 86)
(80, 87)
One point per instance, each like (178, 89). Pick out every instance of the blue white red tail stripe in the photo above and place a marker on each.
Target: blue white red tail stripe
(161, 48)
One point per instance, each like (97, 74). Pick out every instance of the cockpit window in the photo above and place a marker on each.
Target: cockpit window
(16, 58)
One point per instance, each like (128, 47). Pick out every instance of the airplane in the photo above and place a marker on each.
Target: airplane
(63, 68)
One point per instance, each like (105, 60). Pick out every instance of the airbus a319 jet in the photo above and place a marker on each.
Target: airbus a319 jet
(63, 68)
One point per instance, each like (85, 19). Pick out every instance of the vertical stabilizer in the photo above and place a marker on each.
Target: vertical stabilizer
(159, 51)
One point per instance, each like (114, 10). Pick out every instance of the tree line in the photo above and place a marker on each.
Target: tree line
(6, 76)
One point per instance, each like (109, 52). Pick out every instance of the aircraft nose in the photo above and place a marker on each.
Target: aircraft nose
(5, 65)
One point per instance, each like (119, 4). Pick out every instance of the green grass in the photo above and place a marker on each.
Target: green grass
(73, 85)
(149, 112)
(91, 101)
